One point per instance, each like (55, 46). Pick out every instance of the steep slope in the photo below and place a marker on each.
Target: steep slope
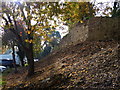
(85, 65)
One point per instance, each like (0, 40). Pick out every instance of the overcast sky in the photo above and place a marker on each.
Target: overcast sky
(104, 0)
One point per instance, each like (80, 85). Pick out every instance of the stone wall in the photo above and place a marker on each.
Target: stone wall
(103, 28)
(78, 33)
(97, 28)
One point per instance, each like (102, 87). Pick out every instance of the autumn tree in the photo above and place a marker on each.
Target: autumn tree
(36, 16)
(27, 12)
(74, 12)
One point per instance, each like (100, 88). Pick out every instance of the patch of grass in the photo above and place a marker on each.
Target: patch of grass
(26, 65)
(2, 82)
(7, 71)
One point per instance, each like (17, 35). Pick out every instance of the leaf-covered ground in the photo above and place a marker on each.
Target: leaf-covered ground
(86, 65)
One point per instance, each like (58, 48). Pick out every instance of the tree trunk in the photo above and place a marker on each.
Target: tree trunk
(21, 55)
(14, 61)
(30, 46)
(30, 59)
(114, 9)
